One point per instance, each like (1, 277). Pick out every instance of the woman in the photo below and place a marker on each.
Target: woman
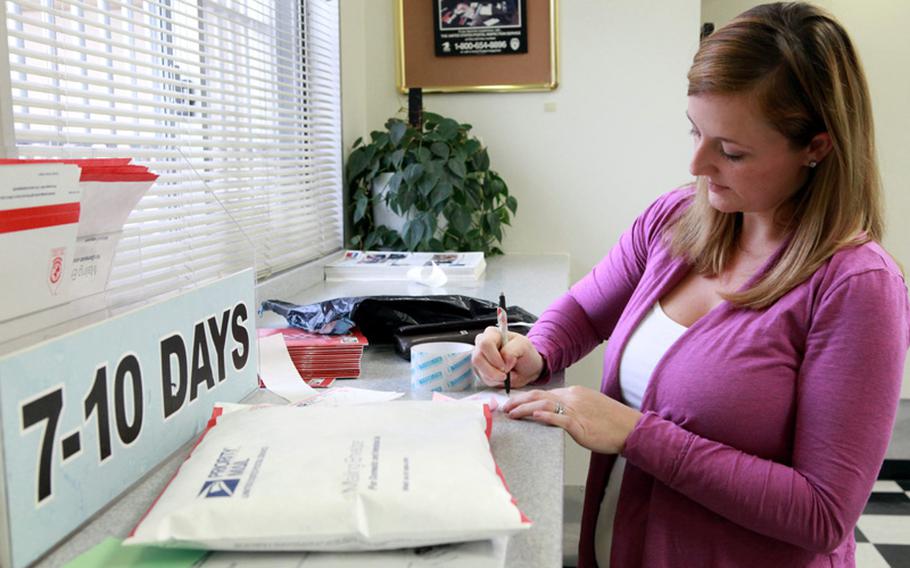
(757, 329)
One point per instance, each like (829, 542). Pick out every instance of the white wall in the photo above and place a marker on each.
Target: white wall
(879, 31)
(617, 139)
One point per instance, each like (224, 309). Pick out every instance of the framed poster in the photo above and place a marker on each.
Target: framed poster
(481, 46)
(479, 28)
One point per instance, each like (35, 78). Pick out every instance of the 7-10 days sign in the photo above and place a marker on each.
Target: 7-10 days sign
(86, 415)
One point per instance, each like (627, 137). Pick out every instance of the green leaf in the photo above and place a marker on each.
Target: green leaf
(396, 131)
(372, 240)
(358, 142)
(429, 222)
(487, 187)
(423, 154)
(412, 173)
(394, 242)
(360, 207)
(394, 184)
(457, 182)
(457, 167)
(473, 197)
(494, 224)
(406, 199)
(460, 220)
(481, 160)
(431, 118)
(441, 193)
(396, 158)
(471, 146)
(475, 240)
(380, 139)
(412, 233)
(426, 185)
(357, 162)
(447, 129)
(512, 204)
(435, 167)
(441, 149)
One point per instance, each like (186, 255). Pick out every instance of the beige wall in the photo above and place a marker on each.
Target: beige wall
(879, 32)
(353, 72)
(617, 139)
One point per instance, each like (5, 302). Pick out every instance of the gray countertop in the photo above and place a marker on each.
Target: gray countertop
(530, 455)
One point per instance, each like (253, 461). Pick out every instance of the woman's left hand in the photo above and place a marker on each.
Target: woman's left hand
(594, 420)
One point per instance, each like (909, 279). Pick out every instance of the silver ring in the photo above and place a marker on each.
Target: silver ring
(560, 409)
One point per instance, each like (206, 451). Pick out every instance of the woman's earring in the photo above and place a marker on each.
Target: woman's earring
(813, 163)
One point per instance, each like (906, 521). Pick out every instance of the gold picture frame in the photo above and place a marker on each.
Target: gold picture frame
(418, 66)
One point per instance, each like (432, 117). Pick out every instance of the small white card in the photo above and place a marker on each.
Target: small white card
(277, 371)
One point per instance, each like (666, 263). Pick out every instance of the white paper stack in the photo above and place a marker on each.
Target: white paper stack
(385, 265)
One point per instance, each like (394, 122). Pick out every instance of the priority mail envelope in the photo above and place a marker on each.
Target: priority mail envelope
(39, 215)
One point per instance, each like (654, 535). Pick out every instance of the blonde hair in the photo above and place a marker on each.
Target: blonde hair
(801, 67)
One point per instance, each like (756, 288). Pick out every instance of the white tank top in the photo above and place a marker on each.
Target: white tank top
(646, 346)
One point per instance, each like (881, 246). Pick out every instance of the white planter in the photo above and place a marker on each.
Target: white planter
(382, 215)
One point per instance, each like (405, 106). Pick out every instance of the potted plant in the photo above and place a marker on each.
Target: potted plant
(438, 178)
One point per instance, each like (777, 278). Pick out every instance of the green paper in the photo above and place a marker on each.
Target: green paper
(111, 554)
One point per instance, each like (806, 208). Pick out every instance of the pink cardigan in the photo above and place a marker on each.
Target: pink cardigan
(763, 431)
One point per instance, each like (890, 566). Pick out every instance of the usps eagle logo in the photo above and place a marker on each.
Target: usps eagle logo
(219, 488)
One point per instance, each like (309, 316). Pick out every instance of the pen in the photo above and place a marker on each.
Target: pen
(502, 317)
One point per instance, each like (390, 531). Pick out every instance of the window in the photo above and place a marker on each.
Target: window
(234, 103)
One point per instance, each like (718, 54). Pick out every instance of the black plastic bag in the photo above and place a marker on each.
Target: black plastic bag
(401, 320)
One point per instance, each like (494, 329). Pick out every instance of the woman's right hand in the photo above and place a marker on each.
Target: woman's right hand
(491, 362)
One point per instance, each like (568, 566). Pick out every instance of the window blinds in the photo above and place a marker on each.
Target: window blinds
(234, 103)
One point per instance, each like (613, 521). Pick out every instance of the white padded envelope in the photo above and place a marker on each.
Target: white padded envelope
(368, 477)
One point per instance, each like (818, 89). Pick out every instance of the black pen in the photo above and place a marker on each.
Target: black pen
(502, 317)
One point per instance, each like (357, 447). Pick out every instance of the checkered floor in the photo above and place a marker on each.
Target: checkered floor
(882, 533)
